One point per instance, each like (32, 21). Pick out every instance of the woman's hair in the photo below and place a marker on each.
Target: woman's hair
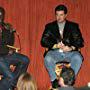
(26, 82)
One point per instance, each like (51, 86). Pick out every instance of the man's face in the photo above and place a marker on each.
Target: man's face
(60, 16)
(1, 16)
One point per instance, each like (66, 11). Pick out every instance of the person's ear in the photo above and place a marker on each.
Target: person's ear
(65, 15)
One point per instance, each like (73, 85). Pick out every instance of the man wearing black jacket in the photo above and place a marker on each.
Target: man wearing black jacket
(63, 39)
(8, 57)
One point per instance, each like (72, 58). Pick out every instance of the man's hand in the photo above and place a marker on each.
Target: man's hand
(56, 46)
(11, 51)
(67, 48)
(59, 45)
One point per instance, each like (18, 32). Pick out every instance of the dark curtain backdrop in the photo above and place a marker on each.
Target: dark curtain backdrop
(29, 17)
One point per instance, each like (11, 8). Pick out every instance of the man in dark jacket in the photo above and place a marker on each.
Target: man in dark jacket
(63, 39)
(8, 57)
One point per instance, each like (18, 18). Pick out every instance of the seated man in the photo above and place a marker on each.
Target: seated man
(8, 57)
(62, 38)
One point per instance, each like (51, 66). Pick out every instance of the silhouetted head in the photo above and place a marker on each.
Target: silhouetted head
(67, 77)
(26, 82)
(2, 14)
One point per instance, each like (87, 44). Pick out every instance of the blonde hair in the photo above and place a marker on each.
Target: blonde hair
(26, 82)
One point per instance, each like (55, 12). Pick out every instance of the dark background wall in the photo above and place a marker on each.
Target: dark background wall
(29, 17)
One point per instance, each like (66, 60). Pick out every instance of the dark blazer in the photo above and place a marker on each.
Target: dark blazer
(71, 35)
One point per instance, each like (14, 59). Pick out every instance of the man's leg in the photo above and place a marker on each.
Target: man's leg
(8, 76)
(51, 58)
(76, 60)
(21, 62)
(4, 68)
(5, 84)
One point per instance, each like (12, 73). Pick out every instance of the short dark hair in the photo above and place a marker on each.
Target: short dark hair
(68, 76)
(61, 8)
(2, 10)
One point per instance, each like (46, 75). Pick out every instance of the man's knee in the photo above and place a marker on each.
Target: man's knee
(78, 58)
(26, 59)
(48, 59)
(23, 58)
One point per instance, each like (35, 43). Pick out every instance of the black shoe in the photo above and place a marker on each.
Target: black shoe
(55, 84)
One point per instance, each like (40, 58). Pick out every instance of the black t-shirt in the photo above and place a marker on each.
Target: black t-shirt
(6, 38)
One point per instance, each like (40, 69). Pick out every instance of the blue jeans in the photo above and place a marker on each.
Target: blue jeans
(20, 61)
(54, 56)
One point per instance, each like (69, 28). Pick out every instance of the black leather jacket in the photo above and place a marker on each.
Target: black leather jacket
(71, 35)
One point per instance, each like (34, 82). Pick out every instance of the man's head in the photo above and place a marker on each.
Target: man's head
(61, 13)
(2, 14)
(67, 77)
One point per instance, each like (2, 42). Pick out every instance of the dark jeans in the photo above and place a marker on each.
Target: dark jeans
(20, 61)
(5, 85)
